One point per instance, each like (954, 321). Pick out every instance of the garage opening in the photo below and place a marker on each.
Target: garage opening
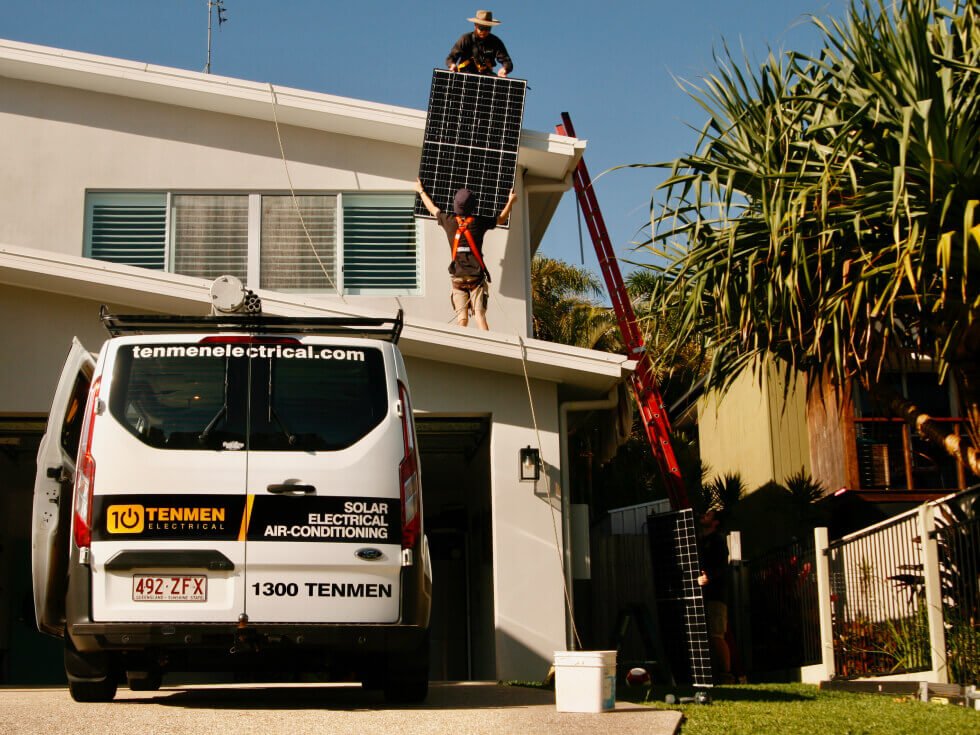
(26, 656)
(455, 454)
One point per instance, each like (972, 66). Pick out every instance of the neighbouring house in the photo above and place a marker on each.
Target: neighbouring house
(135, 185)
(872, 464)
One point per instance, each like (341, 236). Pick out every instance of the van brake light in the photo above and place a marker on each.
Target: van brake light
(244, 339)
(85, 473)
(408, 475)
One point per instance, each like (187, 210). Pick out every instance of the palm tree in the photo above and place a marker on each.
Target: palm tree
(564, 308)
(829, 218)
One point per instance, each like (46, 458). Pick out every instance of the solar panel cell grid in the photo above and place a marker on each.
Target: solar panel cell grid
(472, 138)
(676, 567)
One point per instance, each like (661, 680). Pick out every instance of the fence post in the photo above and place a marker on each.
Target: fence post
(934, 596)
(740, 612)
(821, 542)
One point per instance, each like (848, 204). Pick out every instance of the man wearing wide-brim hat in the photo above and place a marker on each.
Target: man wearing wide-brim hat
(480, 51)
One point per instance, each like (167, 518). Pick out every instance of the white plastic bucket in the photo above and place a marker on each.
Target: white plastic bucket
(585, 681)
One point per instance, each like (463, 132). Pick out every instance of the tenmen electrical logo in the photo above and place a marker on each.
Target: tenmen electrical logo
(169, 517)
(125, 519)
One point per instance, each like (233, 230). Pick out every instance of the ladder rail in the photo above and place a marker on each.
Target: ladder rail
(653, 411)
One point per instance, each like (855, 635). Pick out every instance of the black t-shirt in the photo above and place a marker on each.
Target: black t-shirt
(466, 265)
(714, 562)
(485, 51)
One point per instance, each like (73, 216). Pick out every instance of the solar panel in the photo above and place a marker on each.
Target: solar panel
(472, 137)
(680, 603)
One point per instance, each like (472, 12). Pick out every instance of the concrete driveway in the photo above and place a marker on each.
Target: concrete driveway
(453, 708)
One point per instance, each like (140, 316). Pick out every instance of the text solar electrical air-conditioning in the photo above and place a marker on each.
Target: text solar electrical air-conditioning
(472, 137)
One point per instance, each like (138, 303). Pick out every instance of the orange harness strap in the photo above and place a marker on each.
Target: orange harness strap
(464, 229)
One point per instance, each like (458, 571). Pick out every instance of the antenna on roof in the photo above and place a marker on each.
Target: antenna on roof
(213, 5)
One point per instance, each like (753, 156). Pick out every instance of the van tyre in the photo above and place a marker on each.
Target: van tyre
(90, 678)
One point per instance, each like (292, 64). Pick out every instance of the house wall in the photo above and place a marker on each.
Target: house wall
(58, 142)
(37, 328)
(754, 429)
(528, 599)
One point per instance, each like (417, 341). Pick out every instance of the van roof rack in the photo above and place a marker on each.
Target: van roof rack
(388, 329)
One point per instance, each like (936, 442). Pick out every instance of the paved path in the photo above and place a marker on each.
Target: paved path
(470, 708)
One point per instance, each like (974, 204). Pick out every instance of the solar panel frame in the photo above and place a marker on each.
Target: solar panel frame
(472, 139)
(680, 600)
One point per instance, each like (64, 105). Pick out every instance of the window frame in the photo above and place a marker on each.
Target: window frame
(253, 252)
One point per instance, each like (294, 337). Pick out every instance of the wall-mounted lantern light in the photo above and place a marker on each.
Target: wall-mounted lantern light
(530, 463)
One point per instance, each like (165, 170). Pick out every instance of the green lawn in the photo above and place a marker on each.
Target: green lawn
(789, 709)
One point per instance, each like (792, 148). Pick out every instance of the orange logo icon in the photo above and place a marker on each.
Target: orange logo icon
(125, 519)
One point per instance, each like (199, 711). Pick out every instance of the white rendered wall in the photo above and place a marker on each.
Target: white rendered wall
(58, 143)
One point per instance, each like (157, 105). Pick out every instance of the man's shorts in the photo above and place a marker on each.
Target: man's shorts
(469, 295)
(717, 614)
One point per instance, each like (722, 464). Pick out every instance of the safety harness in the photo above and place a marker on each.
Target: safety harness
(463, 230)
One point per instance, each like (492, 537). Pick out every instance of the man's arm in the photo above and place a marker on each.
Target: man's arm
(503, 58)
(505, 212)
(458, 50)
(426, 199)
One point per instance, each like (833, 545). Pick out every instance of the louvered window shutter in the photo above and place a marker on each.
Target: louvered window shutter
(380, 248)
(210, 235)
(290, 260)
(130, 229)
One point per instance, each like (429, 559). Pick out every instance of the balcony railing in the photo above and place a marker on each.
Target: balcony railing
(891, 455)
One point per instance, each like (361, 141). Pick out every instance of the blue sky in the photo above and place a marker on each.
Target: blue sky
(614, 66)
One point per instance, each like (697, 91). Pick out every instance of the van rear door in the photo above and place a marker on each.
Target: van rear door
(325, 442)
(52, 490)
(169, 481)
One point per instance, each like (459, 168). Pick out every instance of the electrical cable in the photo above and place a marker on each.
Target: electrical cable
(552, 498)
(292, 192)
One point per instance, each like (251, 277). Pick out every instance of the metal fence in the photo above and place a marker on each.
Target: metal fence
(957, 535)
(784, 623)
(878, 606)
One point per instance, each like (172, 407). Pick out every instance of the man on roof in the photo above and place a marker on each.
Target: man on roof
(479, 51)
(467, 269)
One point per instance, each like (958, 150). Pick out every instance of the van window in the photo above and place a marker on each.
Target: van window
(194, 396)
(71, 427)
(317, 404)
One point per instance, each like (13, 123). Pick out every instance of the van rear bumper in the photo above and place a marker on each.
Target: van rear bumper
(338, 639)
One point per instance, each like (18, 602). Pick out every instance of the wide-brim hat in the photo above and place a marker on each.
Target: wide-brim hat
(484, 18)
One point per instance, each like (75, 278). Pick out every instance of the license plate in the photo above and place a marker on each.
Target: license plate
(170, 588)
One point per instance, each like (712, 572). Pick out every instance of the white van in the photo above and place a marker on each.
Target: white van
(234, 493)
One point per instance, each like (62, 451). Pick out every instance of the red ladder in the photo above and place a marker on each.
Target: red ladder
(643, 381)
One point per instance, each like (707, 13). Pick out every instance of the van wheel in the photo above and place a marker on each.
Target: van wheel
(93, 691)
(90, 678)
(407, 678)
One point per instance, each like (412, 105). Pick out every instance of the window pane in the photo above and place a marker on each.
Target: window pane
(181, 396)
(380, 250)
(130, 229)
(289, 261)
(305, 404)
(211, 235)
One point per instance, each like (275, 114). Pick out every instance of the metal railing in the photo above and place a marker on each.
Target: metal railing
(891, 455)
(784, 621)
(880, 624)
(957, 534)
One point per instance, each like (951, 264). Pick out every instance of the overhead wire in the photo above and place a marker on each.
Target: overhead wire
(292, 193)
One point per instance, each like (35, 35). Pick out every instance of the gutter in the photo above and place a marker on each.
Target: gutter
(566, 496)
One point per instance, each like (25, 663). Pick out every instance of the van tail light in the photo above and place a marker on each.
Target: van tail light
(85, 473)
(408, 475)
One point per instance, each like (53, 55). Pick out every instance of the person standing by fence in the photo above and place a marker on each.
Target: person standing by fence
(714, 585)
